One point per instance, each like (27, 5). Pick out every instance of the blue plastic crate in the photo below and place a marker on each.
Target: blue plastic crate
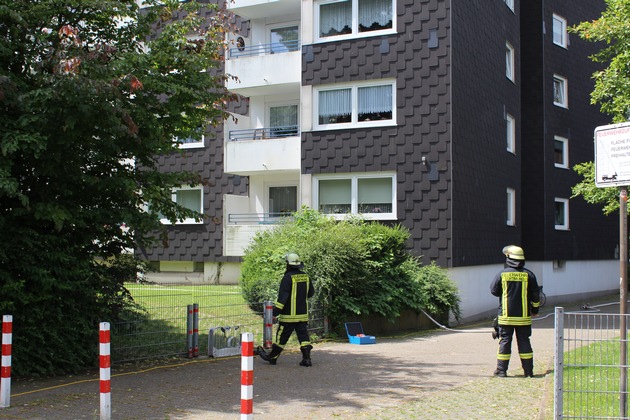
(356, 334)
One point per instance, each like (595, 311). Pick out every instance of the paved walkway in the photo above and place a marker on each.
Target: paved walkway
(345, 381)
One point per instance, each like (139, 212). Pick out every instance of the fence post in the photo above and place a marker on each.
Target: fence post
(195, 343)
(189, 331)
(268, 320)
(247, 376)
(7, 341)
(558, 377)
(105, 366)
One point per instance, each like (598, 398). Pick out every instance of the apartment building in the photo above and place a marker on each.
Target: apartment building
(458, 119)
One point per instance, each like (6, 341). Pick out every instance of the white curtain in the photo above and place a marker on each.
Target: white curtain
(374, 99)
(334, 17)
(375, 11)
(191, 199)
(282, 116)
(335, 102)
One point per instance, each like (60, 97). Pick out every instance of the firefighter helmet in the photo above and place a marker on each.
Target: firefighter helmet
(514, 252)
(293, 259)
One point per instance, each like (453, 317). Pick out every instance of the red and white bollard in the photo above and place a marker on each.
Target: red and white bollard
(247, 376)
(105, 367)
(268, 320)
(7, 341)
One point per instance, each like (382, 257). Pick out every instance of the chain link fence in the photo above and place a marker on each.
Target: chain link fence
(159, 324)
(590, 380)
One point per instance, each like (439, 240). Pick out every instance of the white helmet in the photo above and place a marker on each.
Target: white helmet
(293, 259)
(514, 252)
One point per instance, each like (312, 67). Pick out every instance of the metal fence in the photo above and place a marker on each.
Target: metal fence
(159, 325)
(590, 380)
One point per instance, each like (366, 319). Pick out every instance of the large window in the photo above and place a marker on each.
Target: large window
(284, 39)
(559, 31)
(560, 91)
(562, 214)
(283, 120)
(194, 141)
(190, 198)
(561, 152)
(510, 218)
(282, 200)
(372, 195)
(353, 17)
(510, 133)
(360, 104)
(509, 61)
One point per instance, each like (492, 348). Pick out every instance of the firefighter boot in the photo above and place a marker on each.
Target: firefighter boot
(502, 367)
(306, 356)
(528, 367)
(273, 356)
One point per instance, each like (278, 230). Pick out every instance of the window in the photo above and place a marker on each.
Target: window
(372, 195)
(510, 134)
(284, 39)
(335, 18)
(559, 31)
(190, 198)
(562, 214)
(193, 141)
(359, 104)
(560, 91)
(561, 152)
(282, 200)
(510, 219)
(509, 61)
(510, 4)
(283, 120)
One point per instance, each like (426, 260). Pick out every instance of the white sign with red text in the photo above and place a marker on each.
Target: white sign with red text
(612, 155)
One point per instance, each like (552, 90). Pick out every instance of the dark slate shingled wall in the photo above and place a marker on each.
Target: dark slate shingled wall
(201, 243)
(483, 169)
(423, 91)
(591, 235)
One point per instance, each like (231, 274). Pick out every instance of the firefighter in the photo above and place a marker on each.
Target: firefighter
(291, 311)
(518, 293)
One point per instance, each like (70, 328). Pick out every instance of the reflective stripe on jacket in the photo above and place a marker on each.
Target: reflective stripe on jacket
(292, 303)
(518, 293)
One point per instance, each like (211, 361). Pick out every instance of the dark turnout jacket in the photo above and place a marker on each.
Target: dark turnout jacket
(292, 303)
(518, 293)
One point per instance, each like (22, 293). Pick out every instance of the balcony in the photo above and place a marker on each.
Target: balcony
(252, 151)
(265, 69)
(241, 227)
(257, 9)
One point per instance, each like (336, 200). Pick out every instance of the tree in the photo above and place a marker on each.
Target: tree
(612, 87)
(87, 102)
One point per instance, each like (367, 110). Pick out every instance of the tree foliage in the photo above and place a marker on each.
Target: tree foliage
(87, 102)
(612, 88)
(358, 267)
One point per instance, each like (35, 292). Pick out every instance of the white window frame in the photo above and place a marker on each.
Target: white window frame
(281, 26)
(188, 221)
(270, 185)
(354, 205)
(511, 207)
(509, 61)
(564, 84)
(355, 105)
(355, 22)
(193, 144)
(565, 152)
(559, 25)
(510, 133)
(565, 203)
(510, 4)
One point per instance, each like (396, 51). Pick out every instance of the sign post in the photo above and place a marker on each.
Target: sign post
(612, 168)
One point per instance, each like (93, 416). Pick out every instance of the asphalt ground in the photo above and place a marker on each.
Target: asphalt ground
(442, 373)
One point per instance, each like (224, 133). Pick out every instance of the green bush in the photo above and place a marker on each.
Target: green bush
(358, 267)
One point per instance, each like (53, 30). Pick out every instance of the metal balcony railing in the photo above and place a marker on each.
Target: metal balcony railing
(259, 218)
(274, 48)
(264, 133)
